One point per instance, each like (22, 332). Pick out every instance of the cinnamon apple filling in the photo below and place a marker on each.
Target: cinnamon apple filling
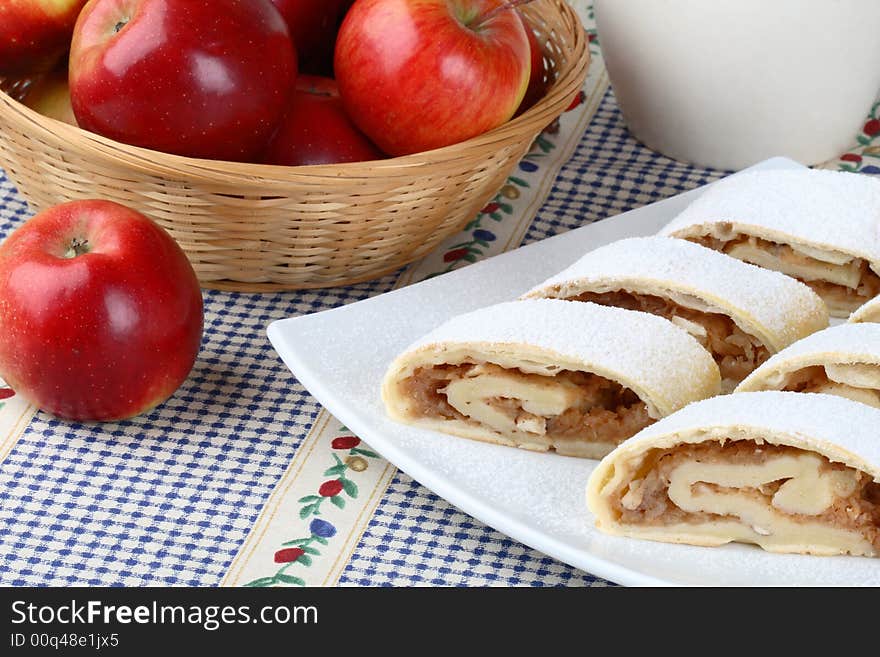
(767, 490)
(736, 352)
(564, 412)
(843, 282)
(854, 381)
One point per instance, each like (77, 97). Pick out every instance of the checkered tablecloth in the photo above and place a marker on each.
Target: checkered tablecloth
(172, 497)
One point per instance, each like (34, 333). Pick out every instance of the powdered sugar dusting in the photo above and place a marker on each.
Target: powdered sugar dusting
(832, 210)
(644, 352)
(842, 344)
(769, 305)
(869, 312)
(841, 429)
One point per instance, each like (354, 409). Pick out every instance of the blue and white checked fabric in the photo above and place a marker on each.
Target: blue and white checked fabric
(167, 499)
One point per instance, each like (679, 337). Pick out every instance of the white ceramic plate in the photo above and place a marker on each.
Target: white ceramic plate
(340, 356)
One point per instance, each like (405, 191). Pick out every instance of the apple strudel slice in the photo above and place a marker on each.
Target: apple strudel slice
(820, 227)
(545, 374)
(786, 471)
(842, 360)
(739, 312)
(869, 312)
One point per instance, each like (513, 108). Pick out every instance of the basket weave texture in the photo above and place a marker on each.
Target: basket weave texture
(258, 228)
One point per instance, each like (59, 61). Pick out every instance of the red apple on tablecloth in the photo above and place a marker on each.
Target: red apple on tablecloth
(100, 312)
(316, 129)
(204, 78)
(421, 74)
(313, 25)
(35, 34)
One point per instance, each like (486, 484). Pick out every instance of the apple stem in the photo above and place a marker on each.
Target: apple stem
(120, 25)
(77, 247)
(504, 6)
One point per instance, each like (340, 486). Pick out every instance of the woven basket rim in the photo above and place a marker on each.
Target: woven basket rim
(558, 96)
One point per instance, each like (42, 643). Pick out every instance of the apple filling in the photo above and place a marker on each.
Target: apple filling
(736, 352)
(857, 381)
(843, 282)
(573, 413)
(760, 493)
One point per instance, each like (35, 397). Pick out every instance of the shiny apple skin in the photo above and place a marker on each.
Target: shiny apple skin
(202, 78)
(317, 130)
(415, 75)
(35, 34)
(101, 336)
(537, 86)
(312, 25)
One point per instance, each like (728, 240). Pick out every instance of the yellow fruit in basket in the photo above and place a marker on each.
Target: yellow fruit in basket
(50, 96)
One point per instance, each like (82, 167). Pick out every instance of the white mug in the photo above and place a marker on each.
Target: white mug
(727, 83)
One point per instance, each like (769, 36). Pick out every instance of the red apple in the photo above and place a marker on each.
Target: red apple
(35, 34)
(537, 83)
(204, 78)
(421, 74)
(313, 25)
(317, 130)
(100, 312)
(50, 96)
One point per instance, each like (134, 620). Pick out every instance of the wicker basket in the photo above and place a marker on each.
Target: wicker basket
(263, 228)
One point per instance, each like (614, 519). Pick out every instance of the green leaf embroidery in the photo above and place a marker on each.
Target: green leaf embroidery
(350, 487)
(310, 550)
(321, 540)
(297, 541)
(364, 452)
(306, 511)
(290, 579)
(470, 257)
(308, 498)
(518, 181)
(262, 581)
(305, 560)
(506, 207)
(335, 470)
(338, 501)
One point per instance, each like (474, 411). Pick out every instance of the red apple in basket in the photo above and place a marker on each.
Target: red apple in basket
(35, 34)
(316, 129)
(313, 25)
(421, 74)
(204, 78)
(100, 312)
(537, 72)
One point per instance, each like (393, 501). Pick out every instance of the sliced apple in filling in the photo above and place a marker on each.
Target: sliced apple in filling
(545, 374)
(739, 312)
(817, 226)
(842, 360)
(869, 312)
(788, 472)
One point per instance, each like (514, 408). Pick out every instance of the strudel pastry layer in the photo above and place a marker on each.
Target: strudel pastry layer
(789, 472)
(546, 374)
(820, 227)
(842, 360)
(741, 313)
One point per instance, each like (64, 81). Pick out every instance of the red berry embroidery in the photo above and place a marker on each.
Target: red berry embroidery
(330, 488)
(289, 554)
(455, 254)
(6, 393)
(872, 127)
(851, 157)
(489, 209)
(345, 442)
